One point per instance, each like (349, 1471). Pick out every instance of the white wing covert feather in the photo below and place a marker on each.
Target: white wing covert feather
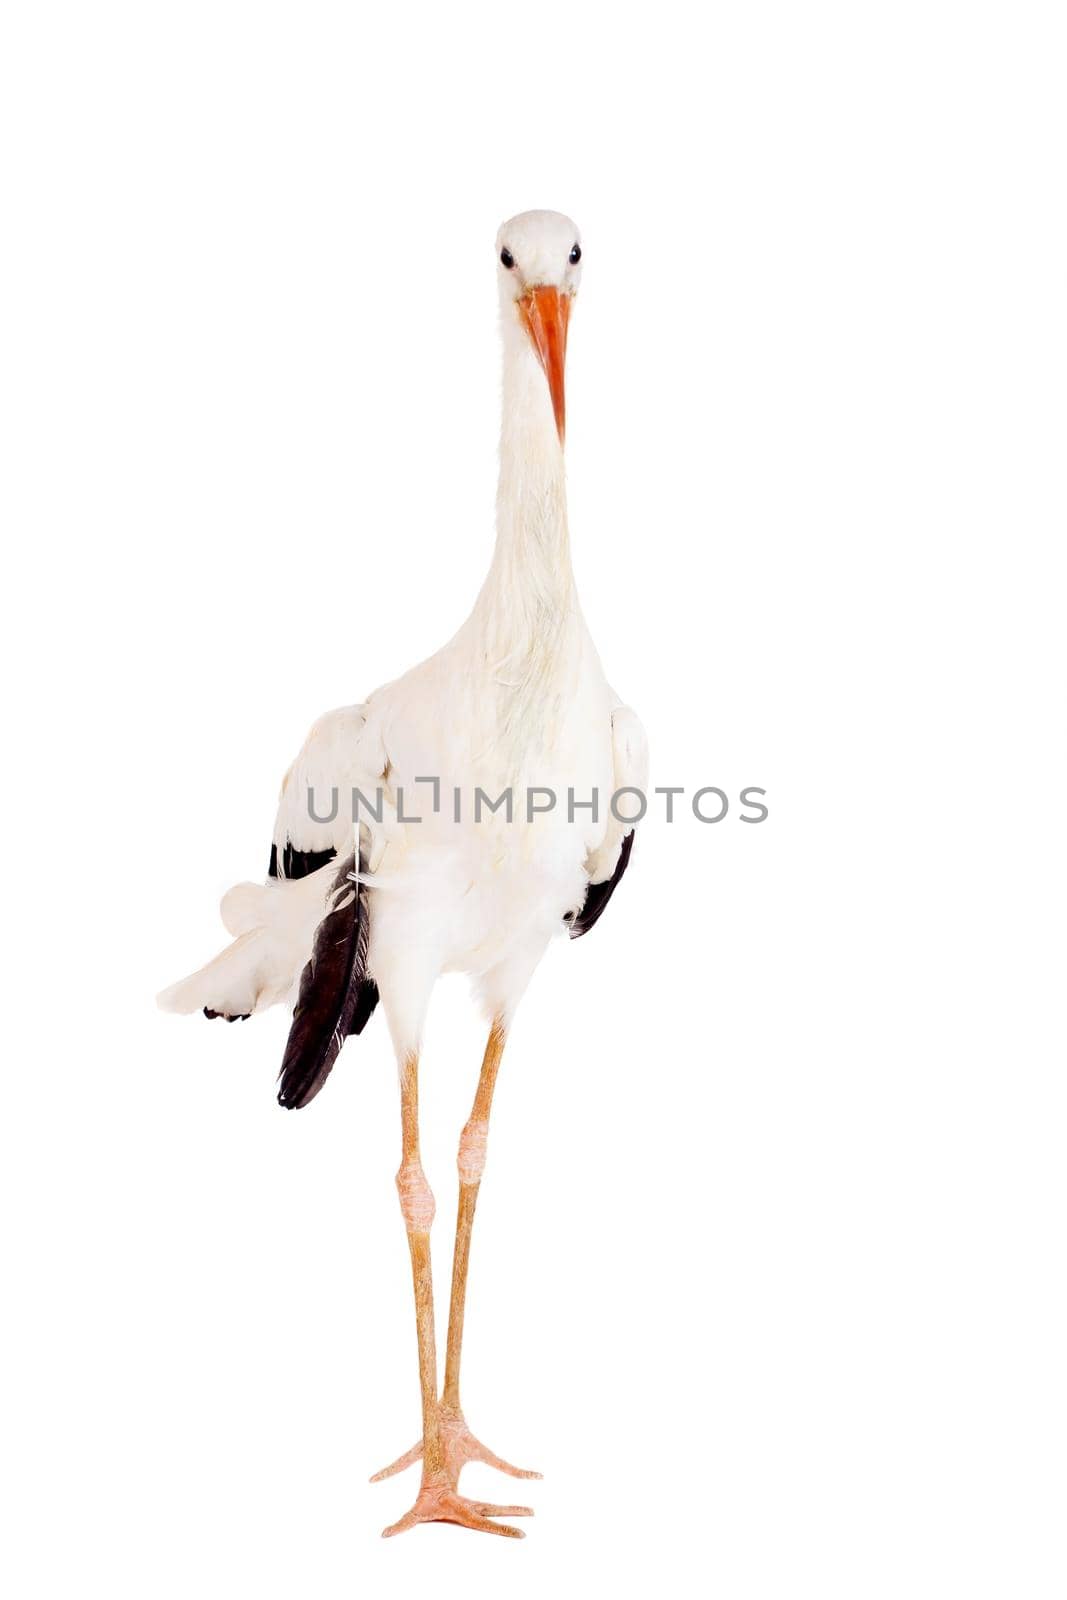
(336, 757)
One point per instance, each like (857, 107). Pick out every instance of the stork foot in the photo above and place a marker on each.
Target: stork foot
(439, 1501)
(460, 1446)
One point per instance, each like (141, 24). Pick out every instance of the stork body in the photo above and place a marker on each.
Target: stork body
(472, 743)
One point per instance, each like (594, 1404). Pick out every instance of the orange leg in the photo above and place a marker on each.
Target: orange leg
(451, 1444)
(438, 1500)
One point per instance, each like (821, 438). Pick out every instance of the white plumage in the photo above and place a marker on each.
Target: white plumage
(517, 699)
(516, 703)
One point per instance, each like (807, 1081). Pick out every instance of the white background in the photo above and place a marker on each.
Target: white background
(768, 1269)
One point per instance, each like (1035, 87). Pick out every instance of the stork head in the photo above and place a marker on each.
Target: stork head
(539, 257)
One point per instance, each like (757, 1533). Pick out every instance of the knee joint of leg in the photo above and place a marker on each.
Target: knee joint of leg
(416, 1198)
(472, 1145)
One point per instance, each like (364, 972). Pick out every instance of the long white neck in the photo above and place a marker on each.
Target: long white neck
(526, 621)
(528, 596)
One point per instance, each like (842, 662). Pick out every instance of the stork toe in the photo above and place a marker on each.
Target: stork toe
(408, 1459)
(438, 1501)
(460, 1447)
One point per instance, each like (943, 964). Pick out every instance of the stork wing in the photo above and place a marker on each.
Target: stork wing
(309, 920)
(609, 861)
(314, 818)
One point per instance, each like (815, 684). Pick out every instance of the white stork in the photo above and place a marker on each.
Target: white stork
(516, 702)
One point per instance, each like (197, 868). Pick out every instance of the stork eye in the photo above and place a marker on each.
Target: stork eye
(507, 259)
(575, 255)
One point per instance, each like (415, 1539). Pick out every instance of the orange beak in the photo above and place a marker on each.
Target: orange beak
(546, 312)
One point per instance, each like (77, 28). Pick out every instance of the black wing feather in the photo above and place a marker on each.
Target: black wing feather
(336, 996)
(598, 894)
(298, 863)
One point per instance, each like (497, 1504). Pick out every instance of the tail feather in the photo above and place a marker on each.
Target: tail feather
(274, 929)
(235, 984)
